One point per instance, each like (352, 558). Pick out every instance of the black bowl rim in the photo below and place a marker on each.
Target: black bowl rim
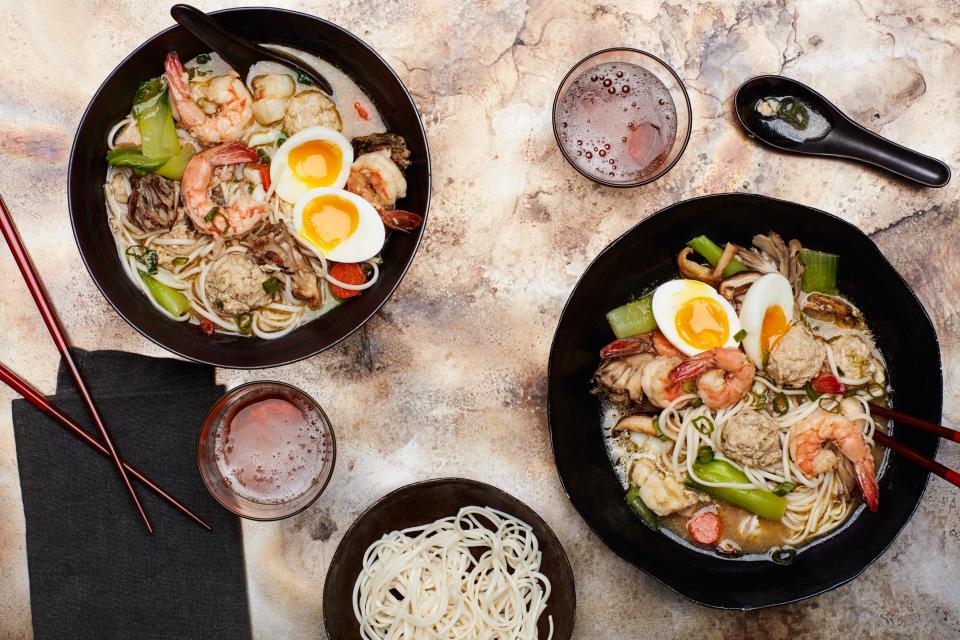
(386, 297)
(847, 119)
(333, 446)
(370, 510)
(665, 211)
(683, 147)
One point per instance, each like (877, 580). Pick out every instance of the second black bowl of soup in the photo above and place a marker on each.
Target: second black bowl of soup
(112, 102)
(645, 257)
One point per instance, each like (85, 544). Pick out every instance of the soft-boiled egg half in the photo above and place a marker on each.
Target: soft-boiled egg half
(694, 317)
(314, 157)
(766, 314)
(341, 225)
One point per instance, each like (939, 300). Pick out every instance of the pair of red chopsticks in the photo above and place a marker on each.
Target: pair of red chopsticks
(932, 466)
(105, 444)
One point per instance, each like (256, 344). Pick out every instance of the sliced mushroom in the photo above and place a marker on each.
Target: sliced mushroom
(637, 424)
(736, 285)
(694, 270)
(831, 309)
(795, 268)
(154, 202)
(273, 243)
(378, 141)
(772, 245)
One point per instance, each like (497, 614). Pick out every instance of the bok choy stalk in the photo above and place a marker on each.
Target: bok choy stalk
(167, 297)
(765, 504)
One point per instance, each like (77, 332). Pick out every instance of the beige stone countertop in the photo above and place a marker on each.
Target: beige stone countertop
(450, 377)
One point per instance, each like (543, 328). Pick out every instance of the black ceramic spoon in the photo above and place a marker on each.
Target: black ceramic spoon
(239, 53)
(813, 125)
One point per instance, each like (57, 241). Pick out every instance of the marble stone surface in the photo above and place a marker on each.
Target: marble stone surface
(449, 379)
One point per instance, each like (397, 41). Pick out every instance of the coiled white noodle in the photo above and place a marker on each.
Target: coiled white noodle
(472, 576)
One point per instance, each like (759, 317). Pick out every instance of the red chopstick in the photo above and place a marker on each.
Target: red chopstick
(917, 423)
(33, 283)
(38, 400)
(932, 466)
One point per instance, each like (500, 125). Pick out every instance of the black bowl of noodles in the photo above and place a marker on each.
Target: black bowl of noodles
(422, 504)
(646, 255)
(111, 103)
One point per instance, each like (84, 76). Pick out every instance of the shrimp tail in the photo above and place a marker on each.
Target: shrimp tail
(867, 480)
(627, 347)
(400, 220)
(231, 153)
(693, 367)
(174, 74)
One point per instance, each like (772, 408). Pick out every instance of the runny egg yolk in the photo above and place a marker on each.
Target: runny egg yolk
(329, 220)
(774, 326)
(702, 323)
(315, 163)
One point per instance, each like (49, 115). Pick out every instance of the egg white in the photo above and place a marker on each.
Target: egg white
(670, 296)
(769, 290)
(364, 243)
(288, 186)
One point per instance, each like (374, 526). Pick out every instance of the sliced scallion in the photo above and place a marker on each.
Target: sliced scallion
(703, 424)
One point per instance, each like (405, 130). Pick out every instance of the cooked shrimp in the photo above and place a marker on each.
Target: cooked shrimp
(208, 217)
(656, 383)
(723, 375)
(270, 95)
(377, 179)
(642, 343)
(227, 104)
(807, 440)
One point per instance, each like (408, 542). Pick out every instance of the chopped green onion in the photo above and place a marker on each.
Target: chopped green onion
(633, 500)
(303, 78)
(704, 454)
(223, 226)
(740, 335)
(764, 358)
(780, 404)
(213, 211)
(819, 271)
(783, 489)
(689, 385)
(271, 285)
(696, 402)
(633, 318)
(180, 261)
(263, 156)
(656, 427)
(703, 424)
(150, 259)
(167, 297)
(281, 140)
(811, 392)
(829, 404)
(759, 400)
(712, 252)
(203, 58)
(244, 322)
(876, 391)
(783, 555)
(144, 256)
(249, 188)
(851, 392)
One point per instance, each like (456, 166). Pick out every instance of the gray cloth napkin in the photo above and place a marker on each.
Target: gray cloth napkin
(94, 571)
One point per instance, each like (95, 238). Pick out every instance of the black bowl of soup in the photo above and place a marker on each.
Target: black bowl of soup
(380, 89)
(635, 264)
